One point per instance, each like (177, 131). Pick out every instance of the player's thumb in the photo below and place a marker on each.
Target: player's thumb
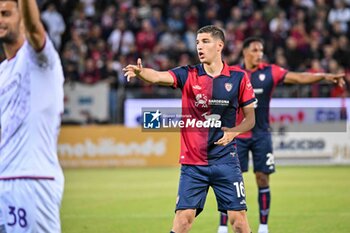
(139, 63)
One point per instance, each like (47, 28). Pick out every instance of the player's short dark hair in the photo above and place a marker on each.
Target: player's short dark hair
(249, 40)
(214, 32)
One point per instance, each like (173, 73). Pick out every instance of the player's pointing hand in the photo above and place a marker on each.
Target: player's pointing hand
(132, 71)
(335, 78)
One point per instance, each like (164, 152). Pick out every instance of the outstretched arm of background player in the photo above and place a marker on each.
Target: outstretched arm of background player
(148, 75)
(34, 29)
(308, 78)
(246, 125)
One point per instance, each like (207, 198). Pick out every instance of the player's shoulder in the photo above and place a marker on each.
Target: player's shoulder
(237, 70)
(264, 65)
(197, 69)
(187, 71)
(194, 67)
(187, 67)
(269, 66)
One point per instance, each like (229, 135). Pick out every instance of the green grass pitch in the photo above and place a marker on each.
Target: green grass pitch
(120, 200)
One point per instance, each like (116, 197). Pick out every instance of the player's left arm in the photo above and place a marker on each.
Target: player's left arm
(34, 28)
(247, 101)
(246, 125)
(309, 78)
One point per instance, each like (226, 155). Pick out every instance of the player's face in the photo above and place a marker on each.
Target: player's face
(208, 48)
(253, 55)
(9, 21)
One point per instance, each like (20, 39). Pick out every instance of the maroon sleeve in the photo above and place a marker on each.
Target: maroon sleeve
(246, 92)
(278, 74)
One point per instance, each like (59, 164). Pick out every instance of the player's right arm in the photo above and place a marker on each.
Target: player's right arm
(34, 29)
(148, 75)
(309, 78)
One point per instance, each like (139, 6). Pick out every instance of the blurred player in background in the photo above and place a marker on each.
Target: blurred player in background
(264, 78)
(208, 156)
(31, 102)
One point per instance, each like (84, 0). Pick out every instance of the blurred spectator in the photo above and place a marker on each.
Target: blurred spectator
(121, 40)
(169, 40)
(175, 21)
(342, 54)
(108, 19)
(300, 36)
(257, 26)
(190, 38)
(247, 7)
(55, 24)
(79, 49)
(192, 16)
(146, 38)
(133, 21)
(280, 58)
(294, 58)
(70, 65)
(335, 68)
(340, 13)
(157, 20)
(271, 10)
(80, 23)
(328, 53)
(111, 77)
(89, 7)
(210, 16)
(279, 27)
(91, 74)
(240, 26)
(315, 68)
(144, 9)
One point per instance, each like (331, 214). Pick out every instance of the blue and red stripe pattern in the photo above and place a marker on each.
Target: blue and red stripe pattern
(203, 96)
(264, 80)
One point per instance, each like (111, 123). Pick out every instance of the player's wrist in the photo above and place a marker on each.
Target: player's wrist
(138, 72)
(322, 76)
(234, 133)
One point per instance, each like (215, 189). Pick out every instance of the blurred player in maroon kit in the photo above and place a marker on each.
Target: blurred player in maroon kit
(264, 79)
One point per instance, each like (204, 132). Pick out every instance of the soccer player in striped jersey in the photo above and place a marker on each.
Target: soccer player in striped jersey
(264, 79)
(31, 104)
(208, 155)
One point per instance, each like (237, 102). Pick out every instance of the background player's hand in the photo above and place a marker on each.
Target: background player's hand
(229, 135)
(131, 71)
(335, 78)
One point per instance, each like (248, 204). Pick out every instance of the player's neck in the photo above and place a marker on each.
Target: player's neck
(214, 69)
(249, 66)
(11, 49)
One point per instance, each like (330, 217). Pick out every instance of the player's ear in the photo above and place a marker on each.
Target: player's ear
(221, 45)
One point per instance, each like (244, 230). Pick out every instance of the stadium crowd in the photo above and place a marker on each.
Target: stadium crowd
(96, 38)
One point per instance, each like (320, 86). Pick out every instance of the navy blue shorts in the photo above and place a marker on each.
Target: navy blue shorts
(225, 179)
(261, 148)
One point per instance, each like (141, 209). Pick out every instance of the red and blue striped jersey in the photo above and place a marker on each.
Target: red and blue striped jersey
(264, 80)
(202, 96)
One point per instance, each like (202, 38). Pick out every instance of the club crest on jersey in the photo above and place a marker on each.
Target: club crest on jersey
(228, 86)
(262, 77)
